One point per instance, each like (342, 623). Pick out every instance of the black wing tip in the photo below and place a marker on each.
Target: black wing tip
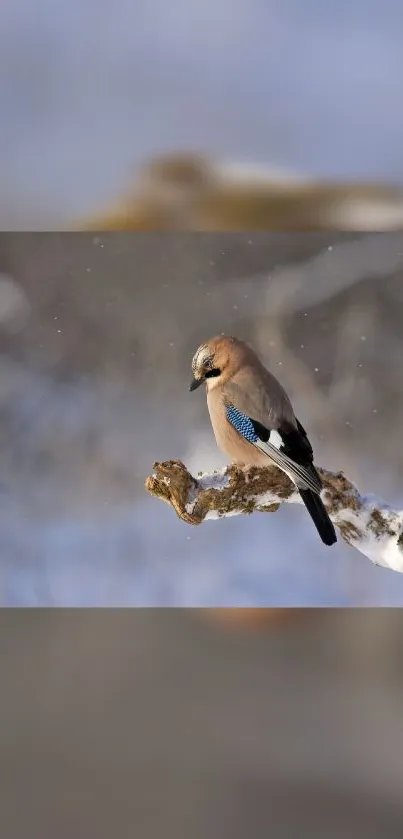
(319, 516)
(329, 539)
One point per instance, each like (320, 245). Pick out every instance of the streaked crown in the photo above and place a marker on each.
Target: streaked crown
(201, 358)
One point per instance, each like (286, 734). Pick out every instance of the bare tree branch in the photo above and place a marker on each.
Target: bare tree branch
(364, 521)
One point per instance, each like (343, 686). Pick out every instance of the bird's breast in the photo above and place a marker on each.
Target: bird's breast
(229, 439)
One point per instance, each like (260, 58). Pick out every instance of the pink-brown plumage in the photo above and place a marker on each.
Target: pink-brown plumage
(244, 380)
(254, 422)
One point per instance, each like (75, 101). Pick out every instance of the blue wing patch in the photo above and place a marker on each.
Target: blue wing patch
(241, 423)
(283, 450)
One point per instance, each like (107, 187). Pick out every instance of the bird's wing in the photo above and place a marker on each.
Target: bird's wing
(269, 424)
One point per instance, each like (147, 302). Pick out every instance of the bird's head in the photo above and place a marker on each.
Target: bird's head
(215, 361)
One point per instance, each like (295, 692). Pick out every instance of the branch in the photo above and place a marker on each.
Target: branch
(365, 522)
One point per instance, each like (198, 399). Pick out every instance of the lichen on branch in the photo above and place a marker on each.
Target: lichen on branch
(363, 521)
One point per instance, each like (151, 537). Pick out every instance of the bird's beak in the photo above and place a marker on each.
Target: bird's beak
(195, 383)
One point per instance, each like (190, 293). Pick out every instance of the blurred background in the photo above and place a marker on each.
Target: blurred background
(97, 333)
(114, 723)
(91, 93)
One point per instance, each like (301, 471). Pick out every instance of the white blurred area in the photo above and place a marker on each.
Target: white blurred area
(14, 306)
(91, 92)
(94, 389)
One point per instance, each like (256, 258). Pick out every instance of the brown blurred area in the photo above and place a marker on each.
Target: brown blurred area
(284, 116)
(148, 723)
(255, 620)
(189, 192)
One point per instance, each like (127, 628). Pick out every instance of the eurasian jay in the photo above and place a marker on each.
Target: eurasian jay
(253, 420)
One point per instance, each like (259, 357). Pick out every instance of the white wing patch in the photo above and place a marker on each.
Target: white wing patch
(275, 439)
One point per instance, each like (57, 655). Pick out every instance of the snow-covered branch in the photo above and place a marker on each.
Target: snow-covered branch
(364, 521)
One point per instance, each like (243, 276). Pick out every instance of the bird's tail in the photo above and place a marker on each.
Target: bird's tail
(319, 516)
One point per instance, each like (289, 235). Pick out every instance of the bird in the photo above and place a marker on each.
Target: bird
(254, 422)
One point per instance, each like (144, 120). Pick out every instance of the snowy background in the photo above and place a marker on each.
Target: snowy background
(96, 338)
(90, 90)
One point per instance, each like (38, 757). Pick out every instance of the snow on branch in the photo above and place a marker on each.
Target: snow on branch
(363, 521)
